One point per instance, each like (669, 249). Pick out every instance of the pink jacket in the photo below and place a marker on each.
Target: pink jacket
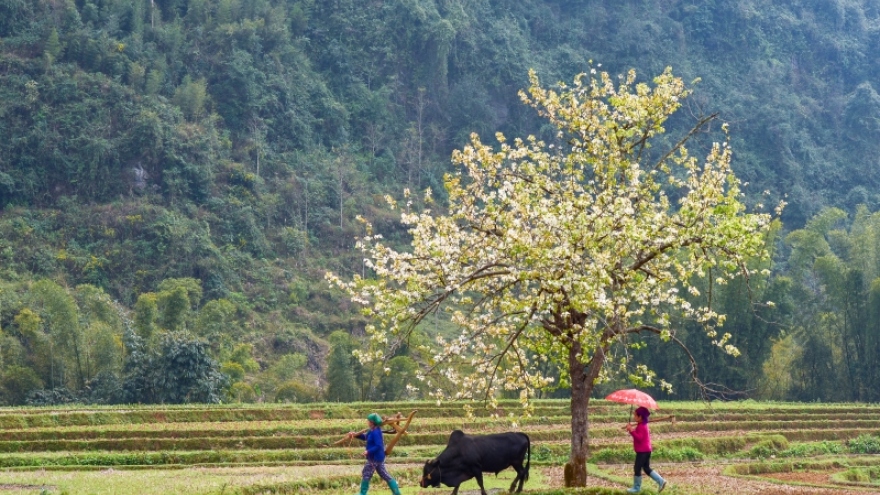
(641, 438)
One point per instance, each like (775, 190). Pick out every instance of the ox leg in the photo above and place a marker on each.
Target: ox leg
(455, 490)
(518, 470)
(520, 476)
(480, 482)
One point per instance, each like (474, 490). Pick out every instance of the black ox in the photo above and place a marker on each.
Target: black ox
(469, 456)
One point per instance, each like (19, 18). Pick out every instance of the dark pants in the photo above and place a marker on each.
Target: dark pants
(376, 467)
(643, 461)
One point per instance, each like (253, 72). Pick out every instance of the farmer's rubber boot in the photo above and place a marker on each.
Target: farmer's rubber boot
(637, 485)
(365, 485)
(395, 490)
(659, 479)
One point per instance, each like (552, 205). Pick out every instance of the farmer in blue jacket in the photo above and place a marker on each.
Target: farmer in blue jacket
(375, 454)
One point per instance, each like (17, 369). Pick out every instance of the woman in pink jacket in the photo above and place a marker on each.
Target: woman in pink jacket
(642, 446)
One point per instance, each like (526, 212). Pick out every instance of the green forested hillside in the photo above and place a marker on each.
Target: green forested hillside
(190, 168)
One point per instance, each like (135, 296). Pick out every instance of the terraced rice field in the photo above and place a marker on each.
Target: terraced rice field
(742, 447)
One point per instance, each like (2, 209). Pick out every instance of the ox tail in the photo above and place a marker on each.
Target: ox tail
(529, 457)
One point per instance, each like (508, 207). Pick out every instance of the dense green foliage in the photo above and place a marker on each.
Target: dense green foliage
(230, 145)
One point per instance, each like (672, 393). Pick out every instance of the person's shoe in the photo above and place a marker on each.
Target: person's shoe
(637, 485)
(659, 479)
(395, 490)
(365, 485)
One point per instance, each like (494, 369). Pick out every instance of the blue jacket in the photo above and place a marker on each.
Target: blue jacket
(375, 445)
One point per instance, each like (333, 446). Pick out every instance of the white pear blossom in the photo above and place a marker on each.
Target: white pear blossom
(553, 255)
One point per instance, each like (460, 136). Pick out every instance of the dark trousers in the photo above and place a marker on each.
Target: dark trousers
(643, 462)
(372, 467)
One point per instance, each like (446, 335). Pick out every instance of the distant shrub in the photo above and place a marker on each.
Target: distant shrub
(296, 392)
(52, 397)
(813, 449)
(17, 383)
(864, 444)
(761, 451)
(766, 448)
(234, 371)
(242, 392)
(543, 453)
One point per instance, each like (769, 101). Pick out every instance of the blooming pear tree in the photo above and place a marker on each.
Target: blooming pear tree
(554, 257)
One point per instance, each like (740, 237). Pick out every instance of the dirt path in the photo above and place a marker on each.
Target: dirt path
(706, 479)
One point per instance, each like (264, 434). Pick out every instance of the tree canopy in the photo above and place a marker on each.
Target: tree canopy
(553, 253)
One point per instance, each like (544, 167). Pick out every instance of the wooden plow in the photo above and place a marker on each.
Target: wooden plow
(396, 424)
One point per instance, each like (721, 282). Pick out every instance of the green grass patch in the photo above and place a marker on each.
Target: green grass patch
(112, 459)
(190, 481)
(407, 479)
(858, 476)
(600, 411)
(788, 466)
(281, 435)
(768, 447)
(812, 449)
(864, 444)
(694, 449)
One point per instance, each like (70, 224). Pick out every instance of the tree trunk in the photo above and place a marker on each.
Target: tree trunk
(576, 469)
(583, 379)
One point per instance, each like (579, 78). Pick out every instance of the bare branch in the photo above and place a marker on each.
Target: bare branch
(639, 263)
(695, 130)
(708, 391)
(510, 343)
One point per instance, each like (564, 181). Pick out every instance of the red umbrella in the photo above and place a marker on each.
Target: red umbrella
(634, 397)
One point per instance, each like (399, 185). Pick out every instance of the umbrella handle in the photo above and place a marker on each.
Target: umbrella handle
(670, 418)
